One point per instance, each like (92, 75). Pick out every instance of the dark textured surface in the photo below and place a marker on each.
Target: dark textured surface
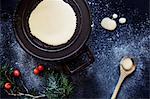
(98, 81)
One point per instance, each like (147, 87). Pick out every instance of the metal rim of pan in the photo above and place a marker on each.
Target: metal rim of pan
(46, 52)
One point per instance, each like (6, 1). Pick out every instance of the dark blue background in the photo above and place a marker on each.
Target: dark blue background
(99, 80)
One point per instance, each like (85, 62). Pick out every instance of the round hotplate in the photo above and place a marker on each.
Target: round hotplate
(47, 52)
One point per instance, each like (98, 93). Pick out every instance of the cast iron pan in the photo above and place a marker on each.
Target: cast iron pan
(43, 51)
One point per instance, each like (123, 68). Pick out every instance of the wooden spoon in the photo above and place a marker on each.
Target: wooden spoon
(127, 67)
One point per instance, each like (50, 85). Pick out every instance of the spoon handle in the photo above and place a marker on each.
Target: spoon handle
(121, 78)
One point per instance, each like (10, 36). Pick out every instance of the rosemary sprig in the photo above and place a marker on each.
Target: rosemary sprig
(58, 85)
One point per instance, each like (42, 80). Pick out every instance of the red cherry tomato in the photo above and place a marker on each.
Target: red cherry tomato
(36, 71)
(16, 73)
(8, 86)
(40, 68)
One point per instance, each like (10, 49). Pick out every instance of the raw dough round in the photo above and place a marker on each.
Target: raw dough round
(115, 16)
(53, 22)
(122, 20)
(108, 24)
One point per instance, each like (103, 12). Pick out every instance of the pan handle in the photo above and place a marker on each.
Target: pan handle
(89, 61)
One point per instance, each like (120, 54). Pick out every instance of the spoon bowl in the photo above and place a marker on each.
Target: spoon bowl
(124, 71)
